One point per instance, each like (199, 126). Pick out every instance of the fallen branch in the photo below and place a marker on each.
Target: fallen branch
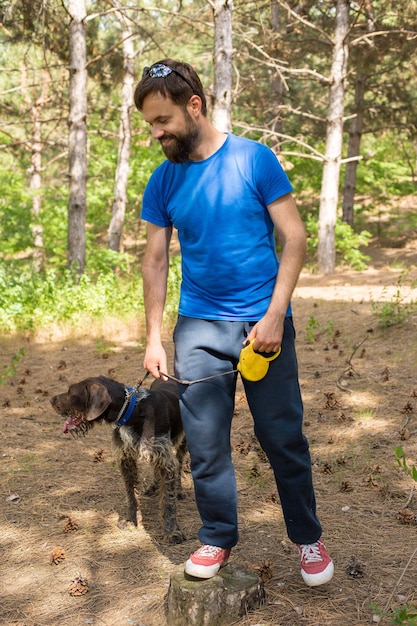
(349, 370)
(400, 579)
(410, 497)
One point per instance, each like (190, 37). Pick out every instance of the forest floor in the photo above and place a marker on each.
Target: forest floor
(62, 498)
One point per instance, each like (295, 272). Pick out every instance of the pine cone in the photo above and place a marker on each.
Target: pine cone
(264, 570)
(79, 586)
(71, 525)
(406, 516)
(355, 568)
(99, 456)
(57, 555)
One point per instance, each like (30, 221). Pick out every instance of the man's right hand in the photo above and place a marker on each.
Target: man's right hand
(155, 360)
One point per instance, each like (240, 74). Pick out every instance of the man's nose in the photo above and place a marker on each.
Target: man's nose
(157, 132)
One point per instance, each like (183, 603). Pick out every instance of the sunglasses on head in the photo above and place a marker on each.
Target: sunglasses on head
(160, 70)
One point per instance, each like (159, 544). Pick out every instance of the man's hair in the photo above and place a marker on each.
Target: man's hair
(179, 85)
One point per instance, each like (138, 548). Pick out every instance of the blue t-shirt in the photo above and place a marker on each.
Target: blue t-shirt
(218, 206)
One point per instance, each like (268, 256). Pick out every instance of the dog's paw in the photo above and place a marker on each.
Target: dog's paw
(177, 536)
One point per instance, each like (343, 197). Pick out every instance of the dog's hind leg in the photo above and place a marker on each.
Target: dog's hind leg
(160, 454)
(181, 451)
(167, 478)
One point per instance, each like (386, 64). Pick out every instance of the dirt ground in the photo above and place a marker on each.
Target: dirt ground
(64, 560)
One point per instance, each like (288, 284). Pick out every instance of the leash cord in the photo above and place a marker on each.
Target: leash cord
(199, 380)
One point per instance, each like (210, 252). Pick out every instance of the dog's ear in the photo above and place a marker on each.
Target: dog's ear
(99, 400)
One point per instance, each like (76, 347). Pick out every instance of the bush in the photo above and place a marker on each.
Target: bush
(348, 242)
(31, 300)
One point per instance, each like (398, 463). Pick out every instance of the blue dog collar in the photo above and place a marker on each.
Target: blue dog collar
(135, 398)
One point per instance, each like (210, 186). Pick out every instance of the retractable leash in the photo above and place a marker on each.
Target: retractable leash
(255, 365)
(252, 365)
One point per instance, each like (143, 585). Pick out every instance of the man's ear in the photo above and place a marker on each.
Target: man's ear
(194, 105)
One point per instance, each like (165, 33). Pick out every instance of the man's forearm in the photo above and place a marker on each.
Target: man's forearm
(291, 264)
(154, 292)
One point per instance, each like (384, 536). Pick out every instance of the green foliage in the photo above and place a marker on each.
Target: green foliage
(173, 290)
(398, 310)
(402, 462)
(400, 616)
(306, 174)
(14, 213)
(10, 370)
(348, 242)
(314, 329)
(30, 300)
(381, 173)
(404, 616)
(312, 326)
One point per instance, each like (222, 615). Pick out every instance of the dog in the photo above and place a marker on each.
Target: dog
(147, 426)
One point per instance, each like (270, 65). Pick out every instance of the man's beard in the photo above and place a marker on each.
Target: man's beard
(181, 146)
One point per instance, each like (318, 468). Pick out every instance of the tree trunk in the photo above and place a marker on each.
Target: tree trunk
(36, 146)
(36, 186)
(355, 135)
(277, 89)
(217, 601)
(223, 65)
(122, 169)
(334, 141)
(77, 136)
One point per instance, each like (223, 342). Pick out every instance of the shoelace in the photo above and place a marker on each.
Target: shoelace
(209, 551)
(310, 553)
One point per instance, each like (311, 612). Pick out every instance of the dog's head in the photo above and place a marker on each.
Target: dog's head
(83, 403)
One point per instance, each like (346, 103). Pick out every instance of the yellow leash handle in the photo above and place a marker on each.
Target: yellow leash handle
(253, 365)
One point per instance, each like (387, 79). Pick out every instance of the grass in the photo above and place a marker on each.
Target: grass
(34, 302)
(400, 307)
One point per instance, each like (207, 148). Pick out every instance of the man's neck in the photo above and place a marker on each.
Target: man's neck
(211, 140)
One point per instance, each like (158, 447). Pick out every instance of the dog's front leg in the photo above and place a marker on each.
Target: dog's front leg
(129, 471)
(127, 464)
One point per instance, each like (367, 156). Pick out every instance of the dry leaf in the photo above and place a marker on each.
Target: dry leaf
(13, 498)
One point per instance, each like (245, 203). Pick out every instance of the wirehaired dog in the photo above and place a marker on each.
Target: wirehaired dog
(147, 426)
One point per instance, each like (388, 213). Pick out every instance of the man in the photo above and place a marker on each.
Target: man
(226, 195)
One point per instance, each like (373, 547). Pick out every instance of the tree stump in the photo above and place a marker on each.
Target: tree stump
(217, 601)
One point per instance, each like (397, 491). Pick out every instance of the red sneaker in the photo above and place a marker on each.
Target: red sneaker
(316, 565)
(206, 561)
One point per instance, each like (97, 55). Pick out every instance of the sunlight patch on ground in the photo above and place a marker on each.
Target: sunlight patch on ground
(10, 534)
(124, 331)
(354, 293)
(263, 514)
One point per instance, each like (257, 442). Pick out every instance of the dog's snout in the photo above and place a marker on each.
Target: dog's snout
(55, 402)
